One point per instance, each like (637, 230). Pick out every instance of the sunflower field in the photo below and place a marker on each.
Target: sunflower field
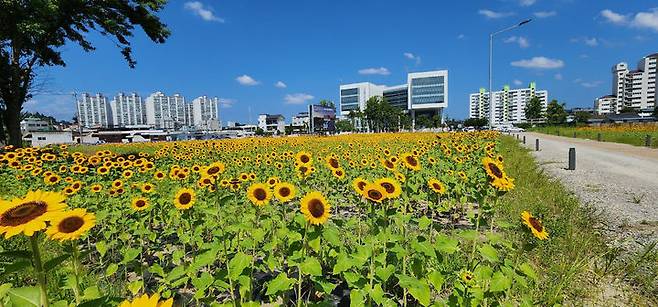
(379, 219)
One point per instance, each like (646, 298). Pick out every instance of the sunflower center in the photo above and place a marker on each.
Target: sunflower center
(260, 194)
(495, 170)
(213, 170)
(388, 187)
(304, 159)
(411, 160)
(70, 224)
(285, 191)
(23, 213)
(303, 169)
(436, 186)
(316, 208)
(185, 198)
(389, 164)
(361, 185)
(333, 162)
(53, 179)
(339, 173)
(140, 203)
(536, 224)
(374, 194)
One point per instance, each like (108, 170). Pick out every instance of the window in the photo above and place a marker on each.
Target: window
(41, 138)
(349, 92)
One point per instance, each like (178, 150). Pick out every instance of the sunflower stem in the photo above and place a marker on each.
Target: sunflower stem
(299, 269)
(76, 272)
(38, 266)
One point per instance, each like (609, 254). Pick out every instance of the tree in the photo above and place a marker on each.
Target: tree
(423, 121)
(355, 114)
(327, 103)
(33, 32)
(381, 116)
(627, 109)
(581, 117)
(533, 109)
(555, 113)
(476, 122)
(655, 112)
(344, 126)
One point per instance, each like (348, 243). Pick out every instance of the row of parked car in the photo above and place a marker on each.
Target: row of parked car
(506, 128)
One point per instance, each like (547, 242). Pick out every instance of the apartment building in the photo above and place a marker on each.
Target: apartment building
(94, 111)
(128, 110)
(508, 104)
(632, 89)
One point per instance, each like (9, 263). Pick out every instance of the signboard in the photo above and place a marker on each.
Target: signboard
(322, 118)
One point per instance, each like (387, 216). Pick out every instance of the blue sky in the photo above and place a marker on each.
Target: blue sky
(277, 56)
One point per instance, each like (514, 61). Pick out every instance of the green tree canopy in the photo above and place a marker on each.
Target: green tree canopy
(327, 103)
(33, 32)
(533, 109)
(344, 125)
(582, 117)
(381, 116)
(556, 113)
(476, 122)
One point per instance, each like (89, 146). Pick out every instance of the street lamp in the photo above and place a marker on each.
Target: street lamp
(77, 112)
(491, 36)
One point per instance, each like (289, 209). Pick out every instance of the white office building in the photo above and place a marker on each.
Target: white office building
(424, 94)
(633, 89)
(301, 119)
(167, 112)
(128, 110)
(605, 105)
(509, 104)
(94, 111)
(272, 123)
(205, 113)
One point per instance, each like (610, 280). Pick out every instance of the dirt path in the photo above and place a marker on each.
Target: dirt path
(620, 181)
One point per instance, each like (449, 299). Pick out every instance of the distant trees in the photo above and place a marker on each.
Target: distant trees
(533, 109)
(344, 125)
(476, 122)
(327, 103)
(556, 113)
(655, 112)
(381, 116)
(581, 117)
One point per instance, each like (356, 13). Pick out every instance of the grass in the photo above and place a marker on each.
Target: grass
(575, 262)
(636, 138)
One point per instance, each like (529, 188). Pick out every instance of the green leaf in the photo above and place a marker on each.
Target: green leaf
(204, 259)
(528, 271)
(447, 245)
(311, 266)
(424, 222)
(489, 253)
(279, 284)
(4, 289)
(362, 255)
(500, 282)
(101, 247)
(384, 273)
(175, 273)
(343, 263)
(52, 263)
(331, 235)
(157, 270)
(203, 282)
(239, 262)
(424, 247)
(436, 279)
(377, 294)
(130, 254)
(325, 285)
(26, 296)
(314, 244)
(135, 286)
(14, 267)
(17, 254)
(111, 269)
(91, 293)
(356, 298)
(420, 290)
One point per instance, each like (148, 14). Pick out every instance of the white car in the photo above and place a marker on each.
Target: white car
(515, 129)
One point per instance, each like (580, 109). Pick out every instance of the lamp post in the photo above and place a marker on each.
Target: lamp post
(77, 112)
(491, 36)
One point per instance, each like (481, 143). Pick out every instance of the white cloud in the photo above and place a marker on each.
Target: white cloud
(202, 11)
(280, 84)
(494, 15)
(412, 56)
(589, 41)
(527, 2)
(583, 56)
(558, 76)
(226, 102)
(522, 41)
(461, 36)
(647, 20)
(60, 106)
(517, 82)
(539, 62)
(298, 98)
(247, 80)
(375, 71)
(614, 17)
(588, 84)
(545, 14)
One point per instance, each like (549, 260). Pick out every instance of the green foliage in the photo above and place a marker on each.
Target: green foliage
(476, 122)
(344, 125)
(381, 116)
(582, 117)
(534, 109)
(556, 113)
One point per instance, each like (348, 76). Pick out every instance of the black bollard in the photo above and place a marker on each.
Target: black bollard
(647, 140)
(524, 139)
(574, 134)
(558, 133)
(598, 137)
(537, 145)
(572, 159)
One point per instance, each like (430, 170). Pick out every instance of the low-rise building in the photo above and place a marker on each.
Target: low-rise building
(31, 124)
(272, 123)
(44, 138)
(605, 104)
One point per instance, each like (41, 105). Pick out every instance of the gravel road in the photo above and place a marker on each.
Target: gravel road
(618, 179)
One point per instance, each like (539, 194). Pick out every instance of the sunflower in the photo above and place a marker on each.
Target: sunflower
(159, 175)
(96, 188)
(437, 186)
(214, 169)
(70, 225)
(184, 198)
(127, 174)
(315, 208)
(30, 213)
(117, 183)
(147, 188)
(304, 158)
(535, 225)
(374, 192)
(391, 186)
(51, 179)
(339, 173)
(284, 191)
(410, 161)
(400, 176)
(467, 277)
(359, 184)
(259, 194)
(462, 175)
(332, 162)
(387, 164)
(503, 184)
(493, 168)
(146, 301)
(140, 203)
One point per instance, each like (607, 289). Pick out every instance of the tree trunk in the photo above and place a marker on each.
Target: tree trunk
(12, 118)
(3, 138)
